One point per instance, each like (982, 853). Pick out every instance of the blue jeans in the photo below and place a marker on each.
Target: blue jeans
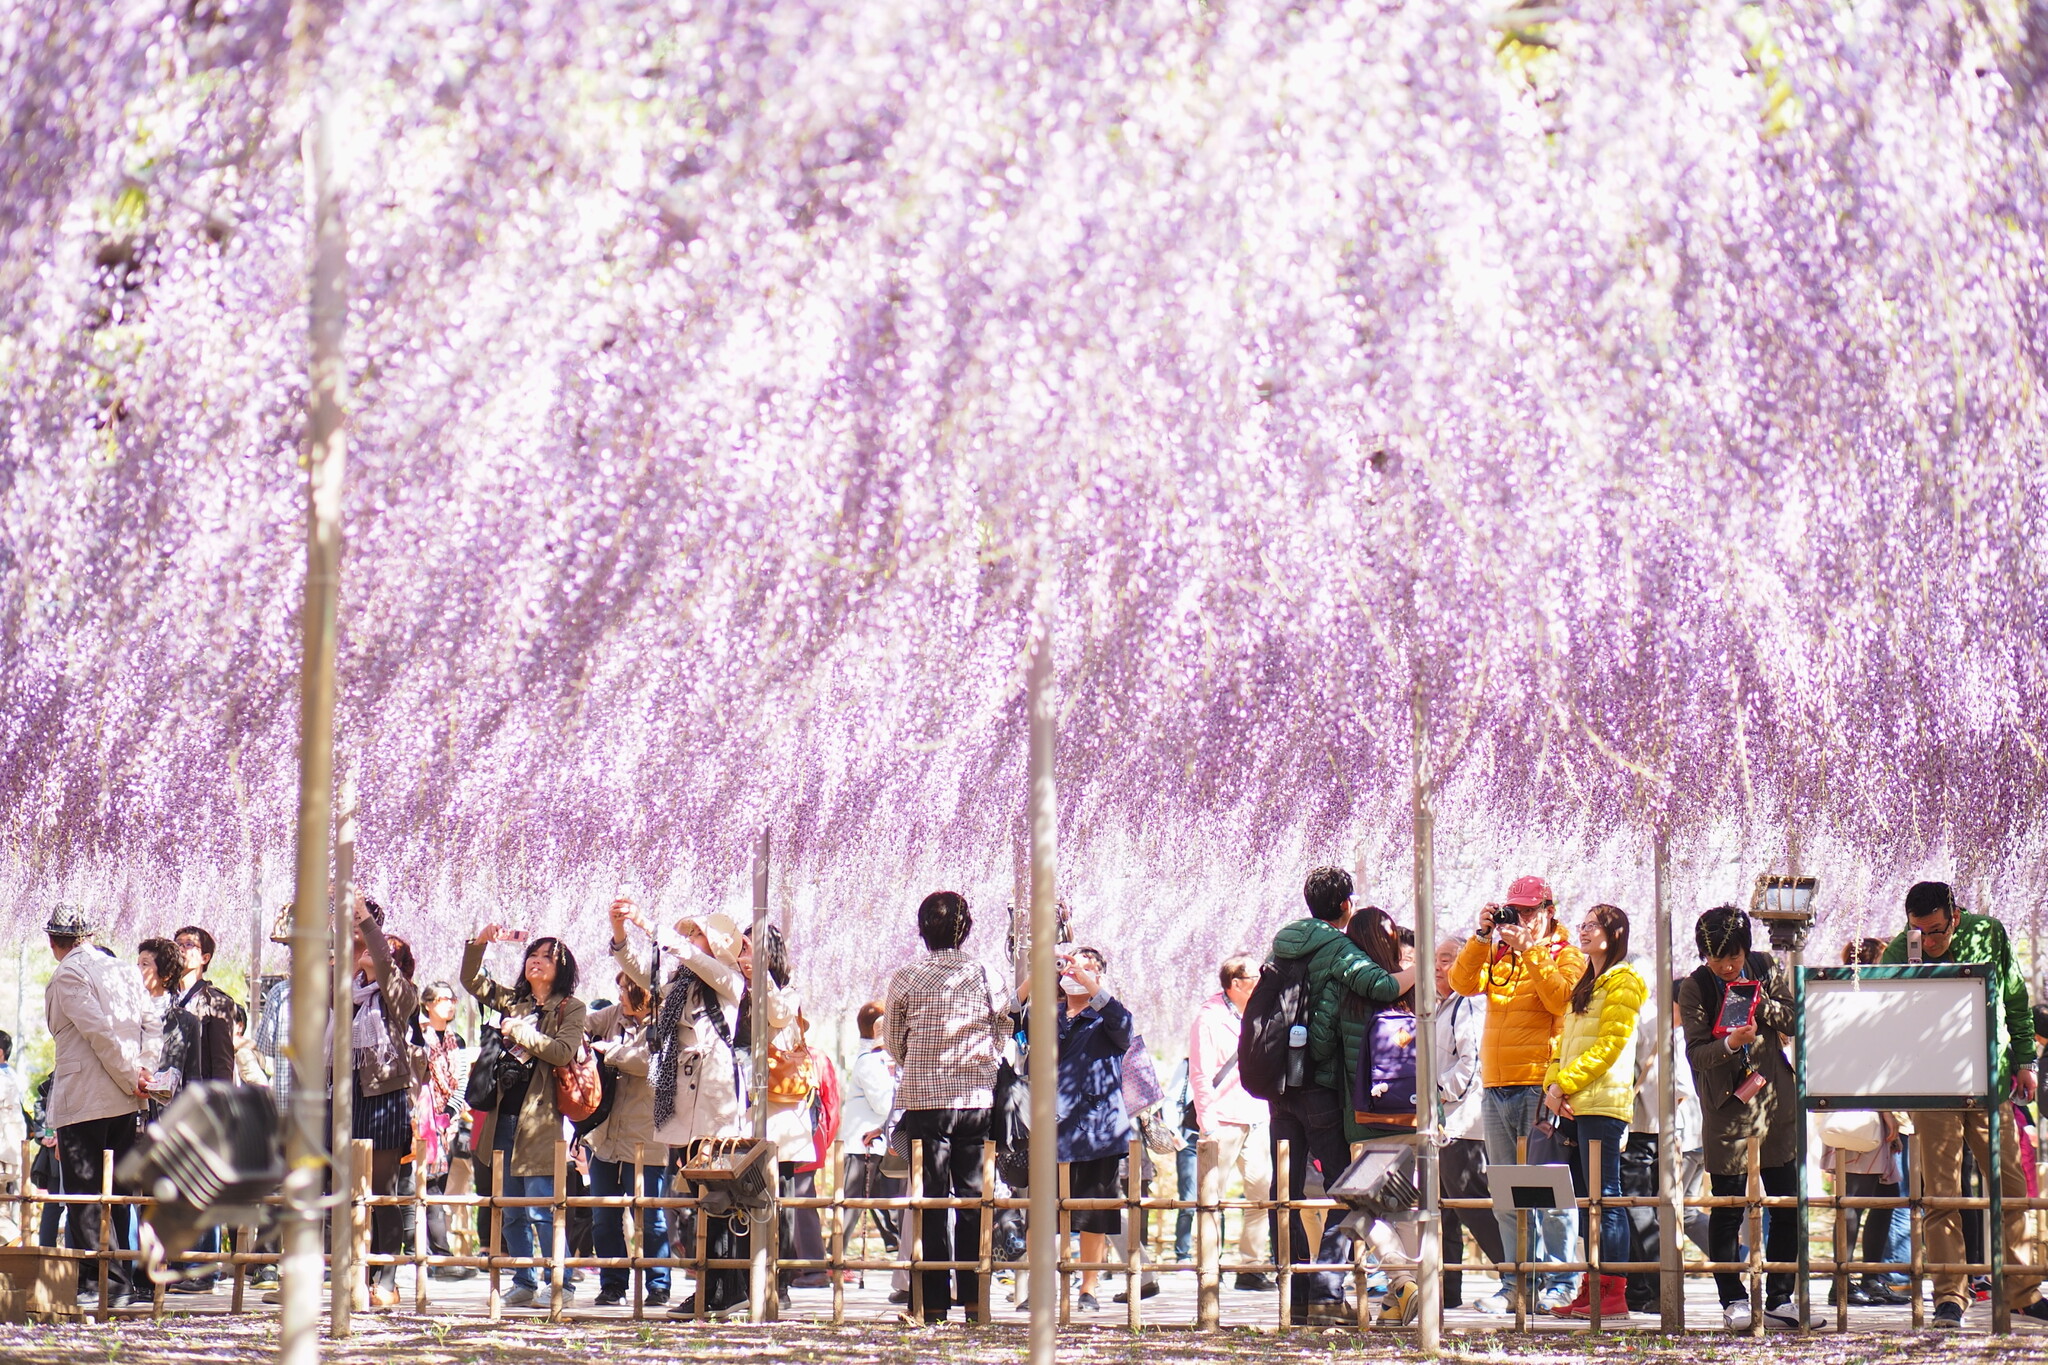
(608, 1226)
(1612, 1135)
(521, 1224)
(1506, 1113)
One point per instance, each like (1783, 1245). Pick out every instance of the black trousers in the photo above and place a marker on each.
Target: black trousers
(81, 1153)
(952, 1166)
(1461, 1174)
(1311, 1122)
(1781, 1233)
(1876, 1229)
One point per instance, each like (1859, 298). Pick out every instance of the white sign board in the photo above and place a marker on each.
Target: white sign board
(1876, 1039)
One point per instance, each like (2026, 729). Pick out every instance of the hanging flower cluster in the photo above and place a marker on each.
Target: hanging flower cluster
(1656, 389)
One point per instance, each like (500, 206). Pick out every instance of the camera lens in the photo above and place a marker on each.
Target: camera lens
(1507, 914)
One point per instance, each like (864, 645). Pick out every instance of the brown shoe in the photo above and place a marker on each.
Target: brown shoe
(384, 1296)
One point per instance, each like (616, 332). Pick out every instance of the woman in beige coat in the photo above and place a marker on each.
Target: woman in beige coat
(541, 1029)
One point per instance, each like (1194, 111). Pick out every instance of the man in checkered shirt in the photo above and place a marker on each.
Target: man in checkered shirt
(945, 1025)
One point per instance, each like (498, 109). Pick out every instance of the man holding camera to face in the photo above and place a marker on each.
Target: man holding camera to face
(1939, 930)
(1525, 965)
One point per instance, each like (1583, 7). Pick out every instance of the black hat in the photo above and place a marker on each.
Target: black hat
(1925, 898)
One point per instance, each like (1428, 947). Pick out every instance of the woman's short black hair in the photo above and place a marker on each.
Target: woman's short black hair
(944, 921)
(1721, 931)
(565, 967)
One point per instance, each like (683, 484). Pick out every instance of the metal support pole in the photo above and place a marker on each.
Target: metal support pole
(1670, 1212)
(341, 1253)
(1429, 1324)
(1043, 1225)
(760, 1270)
(298, 1342)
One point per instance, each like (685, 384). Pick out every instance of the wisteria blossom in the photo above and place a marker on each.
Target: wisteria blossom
(1656, 388)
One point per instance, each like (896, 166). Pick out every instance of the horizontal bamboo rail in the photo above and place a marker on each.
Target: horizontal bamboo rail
(1208, 1267)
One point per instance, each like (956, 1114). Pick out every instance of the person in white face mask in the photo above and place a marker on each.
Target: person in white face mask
(1095, 1032)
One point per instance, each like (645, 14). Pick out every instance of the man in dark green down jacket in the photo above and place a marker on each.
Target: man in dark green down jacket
(1311, 1120)
(1949, 934)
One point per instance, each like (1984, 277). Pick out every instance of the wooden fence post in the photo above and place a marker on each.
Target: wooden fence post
(1842, 1237)
(915, 1217)
(1209, 1236)
(559, 1226)
(495, 1303)
(985, 1258)
(1595, 1228)
(1916, 1231)
(1753, 1191)
(1283, 1248)
(1134, 1240)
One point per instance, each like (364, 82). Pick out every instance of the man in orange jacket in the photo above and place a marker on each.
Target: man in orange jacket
(1527, 969)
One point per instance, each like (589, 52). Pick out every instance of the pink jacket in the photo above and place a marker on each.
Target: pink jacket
(1220, 1095)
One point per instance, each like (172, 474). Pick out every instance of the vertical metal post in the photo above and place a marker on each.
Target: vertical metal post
(1994, 1174)
(298, 1343)
(1043, 1224)
(1670, 1160)
(1429, 1323)
(761, 1294)
(341, 1257)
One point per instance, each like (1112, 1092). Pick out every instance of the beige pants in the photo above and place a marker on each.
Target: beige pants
(1942, 1133)
(1248, 1150)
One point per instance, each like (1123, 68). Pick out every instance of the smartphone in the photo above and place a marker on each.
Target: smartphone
(515, 936)
(1738, 1008)
(1750, 1086)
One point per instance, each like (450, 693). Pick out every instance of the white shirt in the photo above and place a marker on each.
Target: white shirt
(13, 1124)
(870, 1096)
(1460, 1024)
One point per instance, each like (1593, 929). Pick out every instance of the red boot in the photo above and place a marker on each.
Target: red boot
(1613, 1297)
(1580, 1306)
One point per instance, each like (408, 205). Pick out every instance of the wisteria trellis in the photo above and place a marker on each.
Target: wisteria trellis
(1659, 384)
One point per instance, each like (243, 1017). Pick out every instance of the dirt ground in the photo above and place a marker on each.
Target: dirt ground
(414, 1341)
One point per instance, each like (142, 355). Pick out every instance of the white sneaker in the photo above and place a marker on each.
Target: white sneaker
(1494, 1305)
(518, 1296)
(1551, 1300)
(1786, 1316)
(1736, 1315)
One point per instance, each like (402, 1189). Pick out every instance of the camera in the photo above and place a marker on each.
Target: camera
(1504, 914)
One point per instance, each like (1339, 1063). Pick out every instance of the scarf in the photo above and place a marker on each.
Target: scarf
(368, 1034)
(687, 995)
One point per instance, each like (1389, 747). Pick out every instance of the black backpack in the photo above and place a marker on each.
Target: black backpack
(1279, 1002)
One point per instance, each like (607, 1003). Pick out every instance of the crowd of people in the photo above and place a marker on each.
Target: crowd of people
(1545, 1051)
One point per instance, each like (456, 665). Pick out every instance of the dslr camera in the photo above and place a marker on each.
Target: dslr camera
(1503, 914)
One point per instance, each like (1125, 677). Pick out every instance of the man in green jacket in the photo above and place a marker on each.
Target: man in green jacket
(1948, 934)
(1311, 1120)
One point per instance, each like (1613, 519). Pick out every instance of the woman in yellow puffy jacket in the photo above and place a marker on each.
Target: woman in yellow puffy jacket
(1590, 1088)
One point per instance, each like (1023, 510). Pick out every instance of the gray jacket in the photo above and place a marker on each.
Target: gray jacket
(94, 1008)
